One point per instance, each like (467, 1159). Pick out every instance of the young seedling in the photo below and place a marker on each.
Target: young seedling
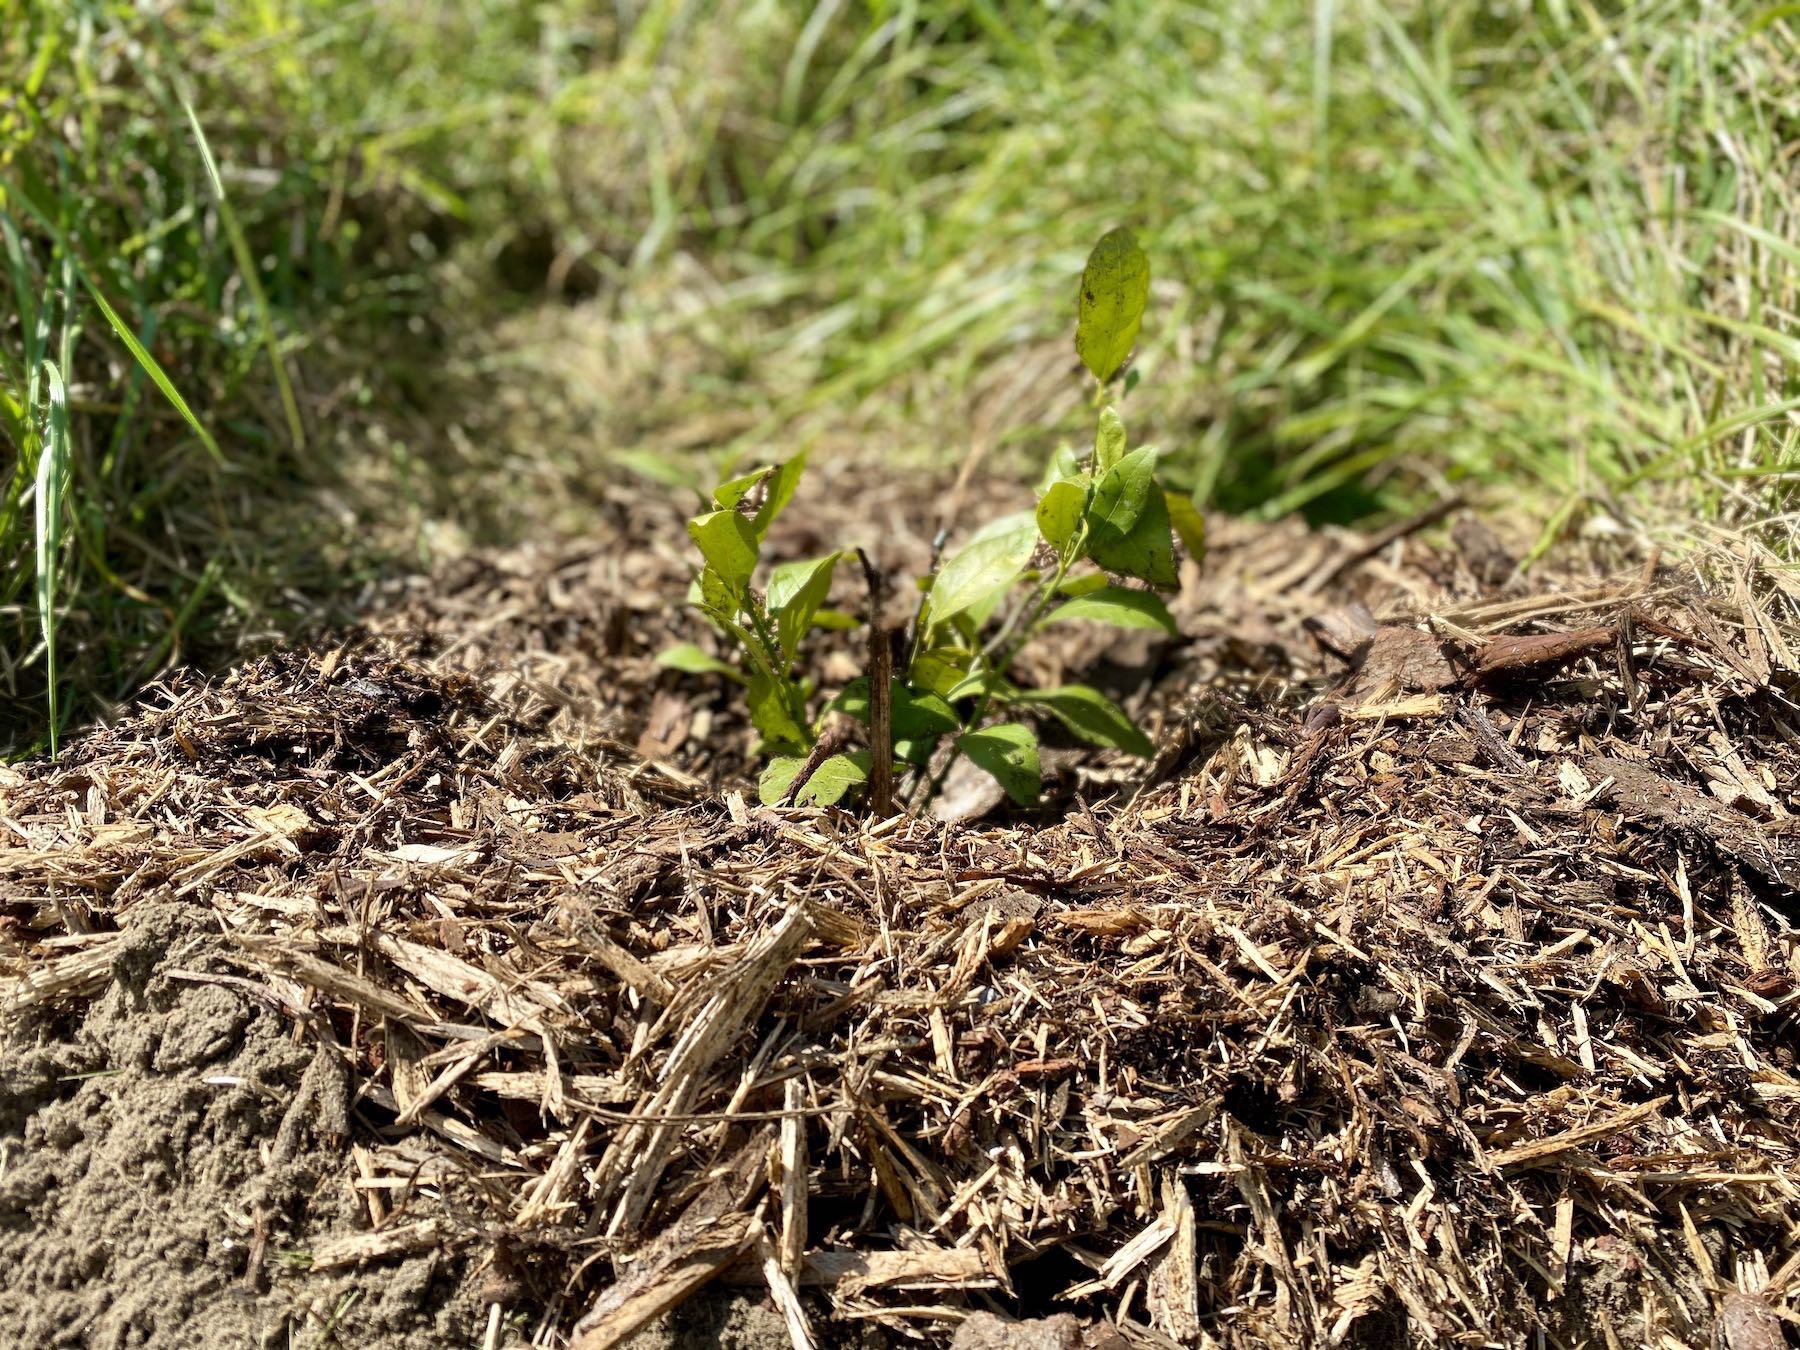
(1102, 520)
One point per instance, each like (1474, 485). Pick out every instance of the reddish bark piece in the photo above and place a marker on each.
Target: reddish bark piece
(1542, 649)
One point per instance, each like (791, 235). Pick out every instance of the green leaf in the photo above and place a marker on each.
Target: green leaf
(1064, 463)
(1109, 440)
(733, 490)
(772, 783)
(782, 482)
(690, 660)
(983, 683)
(796, 590)
(726, 542)
(781, 479)
(1085, 584)
(986, 566)
(915, 752)
(836, 621)
(834, 778)
(1120, 494)
(829, 784)
(919, 715)
(1146, 548)
(770, 712)
(1117, 605)
(1190, 525)
(939, 669)
(1059, 513)
(1115, 286)
(157, 376)
(716, 599)
(915, 713)
(1092, 716)
(1010, 753)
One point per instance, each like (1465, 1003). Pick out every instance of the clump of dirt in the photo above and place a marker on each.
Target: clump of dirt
(173, 1153)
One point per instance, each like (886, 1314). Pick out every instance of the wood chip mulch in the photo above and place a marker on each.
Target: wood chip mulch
(1442, 993)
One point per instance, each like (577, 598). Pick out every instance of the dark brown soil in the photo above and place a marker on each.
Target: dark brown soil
(439, 985)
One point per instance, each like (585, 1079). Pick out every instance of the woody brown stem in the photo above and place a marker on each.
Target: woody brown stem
(881, 711)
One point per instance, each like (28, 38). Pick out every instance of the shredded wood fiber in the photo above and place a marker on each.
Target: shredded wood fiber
(1440, 995)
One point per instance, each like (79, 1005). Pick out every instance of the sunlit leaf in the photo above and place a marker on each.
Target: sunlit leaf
(1145, 547)
(780, 491)
(1009, 752)
(982, 684)
(726, 542)
(772, 784)
(1120, 494)
(711, 593)
(51, 490)
(1190, 525)
(796, 590)
(1092, 716)
(830, 783)
(1085, 584)
(986, 566)
(157, 375)
(1117, 605)
(770, 712)
(249, 274)
(914, 713)
(690, 660)
(939, 669)
(1115, 286)
(1109, 440)
(1063, 463)
(733, 490)
(1059, 513)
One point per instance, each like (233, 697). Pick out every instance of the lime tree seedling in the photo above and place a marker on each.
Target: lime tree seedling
(1099, 546)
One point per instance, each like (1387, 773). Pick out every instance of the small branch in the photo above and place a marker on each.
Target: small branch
(881, 674)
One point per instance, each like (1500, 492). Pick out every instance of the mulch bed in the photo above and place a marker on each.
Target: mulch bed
(1436, 985)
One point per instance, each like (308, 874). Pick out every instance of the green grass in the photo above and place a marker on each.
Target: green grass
(1544, 252)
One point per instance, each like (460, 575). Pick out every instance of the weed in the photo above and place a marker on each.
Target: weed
(1101, 516)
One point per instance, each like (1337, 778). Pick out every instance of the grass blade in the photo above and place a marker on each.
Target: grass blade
(240, 248)
(155, 371)
(52, 482)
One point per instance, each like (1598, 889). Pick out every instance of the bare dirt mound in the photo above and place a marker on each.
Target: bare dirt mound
(1435, 985)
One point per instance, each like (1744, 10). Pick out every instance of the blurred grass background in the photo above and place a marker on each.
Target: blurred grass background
(467, 262)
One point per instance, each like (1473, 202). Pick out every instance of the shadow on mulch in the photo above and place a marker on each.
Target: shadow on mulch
(444, 985)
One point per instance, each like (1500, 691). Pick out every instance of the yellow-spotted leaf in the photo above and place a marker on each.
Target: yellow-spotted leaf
(1115, 286)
